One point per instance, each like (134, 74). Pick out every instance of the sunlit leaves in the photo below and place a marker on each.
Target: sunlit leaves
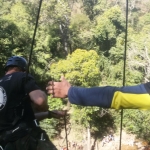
(81, 68)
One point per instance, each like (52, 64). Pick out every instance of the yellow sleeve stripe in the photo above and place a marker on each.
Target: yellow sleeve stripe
(130, 101)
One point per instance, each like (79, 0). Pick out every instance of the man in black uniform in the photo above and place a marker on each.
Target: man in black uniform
(19, 130)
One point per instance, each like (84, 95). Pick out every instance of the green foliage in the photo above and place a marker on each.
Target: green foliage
(88, 8)
(101, 7)
(83, 115)
(80, 32)
(53, 126)
(57, 16)
(80, 68)
(143, 21)
(117, 52)
(65, 26)
(14, 36)
(19, 14)
(9, 34)
(137, 122)
(107, 31)
(134, 121)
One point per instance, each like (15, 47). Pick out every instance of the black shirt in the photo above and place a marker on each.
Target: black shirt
(13, 90)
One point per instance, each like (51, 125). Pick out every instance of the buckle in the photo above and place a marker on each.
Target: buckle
(36, 123)
(42, 137)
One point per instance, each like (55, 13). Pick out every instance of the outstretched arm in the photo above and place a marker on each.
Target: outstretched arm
(50, 114)
(78, 95)
(127, 97)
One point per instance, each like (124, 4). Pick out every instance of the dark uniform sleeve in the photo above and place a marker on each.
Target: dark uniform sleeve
(127, 97)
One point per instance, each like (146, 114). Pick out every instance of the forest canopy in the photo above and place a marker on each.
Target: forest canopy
(85, 41)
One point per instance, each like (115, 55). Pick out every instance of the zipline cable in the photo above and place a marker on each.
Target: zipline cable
(34, 34)
(124, 68)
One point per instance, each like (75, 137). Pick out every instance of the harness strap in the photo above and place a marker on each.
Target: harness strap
(19, 112)
(18, 131)
(1, 148)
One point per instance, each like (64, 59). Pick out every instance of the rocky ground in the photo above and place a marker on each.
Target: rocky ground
(128, 142)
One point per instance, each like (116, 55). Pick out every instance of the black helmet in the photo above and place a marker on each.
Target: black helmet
(17, 61)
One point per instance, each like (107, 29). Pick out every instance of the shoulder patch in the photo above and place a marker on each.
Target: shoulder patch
(3, 98)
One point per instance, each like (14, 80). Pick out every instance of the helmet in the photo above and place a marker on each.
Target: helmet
(17, 61)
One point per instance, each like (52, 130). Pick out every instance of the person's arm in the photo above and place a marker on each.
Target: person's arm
(127, 97)
(39, 99)
(37, 96)
(41, 115)
(50, 114)
(130, 97)
(95, 96)
(80, 96)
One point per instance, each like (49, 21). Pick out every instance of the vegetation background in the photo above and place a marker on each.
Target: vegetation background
(85, 41)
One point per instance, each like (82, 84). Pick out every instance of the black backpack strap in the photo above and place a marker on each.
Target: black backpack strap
(19, 113)
(19, 110)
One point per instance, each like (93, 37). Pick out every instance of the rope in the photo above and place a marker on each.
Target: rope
(65, 122)
(34, 34)
(124, 69)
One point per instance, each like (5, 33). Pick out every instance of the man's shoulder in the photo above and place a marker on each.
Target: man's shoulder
(22, 74)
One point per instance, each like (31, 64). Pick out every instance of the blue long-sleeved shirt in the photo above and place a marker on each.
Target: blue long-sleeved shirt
(134, 97)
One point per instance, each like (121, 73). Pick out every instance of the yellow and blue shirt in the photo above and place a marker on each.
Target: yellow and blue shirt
(126, 97)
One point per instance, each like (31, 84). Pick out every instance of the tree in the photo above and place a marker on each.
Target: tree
(9, 34)
(109, 26)
(81, 68)
(81, 34)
